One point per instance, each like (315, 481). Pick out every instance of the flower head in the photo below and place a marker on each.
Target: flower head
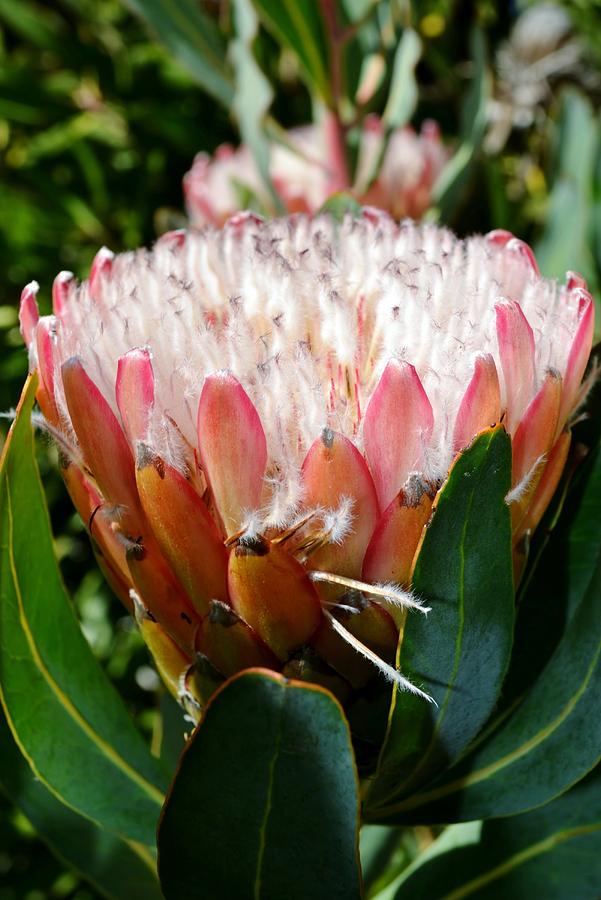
(254, 422)
(309, 169)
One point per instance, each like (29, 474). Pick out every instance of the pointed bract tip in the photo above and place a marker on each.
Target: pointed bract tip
(28, 311)
(60, 291)
(101, 265)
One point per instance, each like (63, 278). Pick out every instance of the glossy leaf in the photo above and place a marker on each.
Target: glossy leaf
(66, 717)
(116, 868)
(553, 852)
(299, 25)
(194, 40)
(551, 737)
(564, 557)
(269, 774)
(460, 652)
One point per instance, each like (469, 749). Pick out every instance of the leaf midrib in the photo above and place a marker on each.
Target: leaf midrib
(498, 765)
(268, 801)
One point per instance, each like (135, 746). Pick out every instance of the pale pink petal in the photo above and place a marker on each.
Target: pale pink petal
(578, 358)
(516, 348)
(232, 446)
(175, 239)
(134, 390)
(525, 252)
(334, 470)
(481, 403)
(548, 483)
(61, 288)
(575, 280)
(103, 445)
(398, 424)
(502, 238)
(100, 268)
(28, 311)
(536, 432)
(47, 353)
(499, 237)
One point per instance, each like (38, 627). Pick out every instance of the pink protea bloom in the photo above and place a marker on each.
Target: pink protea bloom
(254, 422)
(310, 170)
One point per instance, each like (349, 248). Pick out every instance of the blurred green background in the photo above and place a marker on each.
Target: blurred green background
(99, 122)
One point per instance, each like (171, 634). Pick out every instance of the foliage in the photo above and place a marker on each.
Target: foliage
(98, 123)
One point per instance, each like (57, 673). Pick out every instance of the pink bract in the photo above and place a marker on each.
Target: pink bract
(254, 420)
(307, 171)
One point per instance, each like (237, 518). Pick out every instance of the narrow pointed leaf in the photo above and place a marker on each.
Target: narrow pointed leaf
(254, 93)
(269, 773)
(63, 712)
(403, 95)
(299, 25)
(194, 40)
(459, 653)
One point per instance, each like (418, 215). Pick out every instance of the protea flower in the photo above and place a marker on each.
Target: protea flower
(312, 167)
(254, 423)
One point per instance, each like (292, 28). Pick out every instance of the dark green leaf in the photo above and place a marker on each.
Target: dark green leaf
(553, 852)
(567, 549)
(265, 803)
(553, 737)
(299, 25)
(194, 40)
(119, 870)
(460, 652)
(453, 177)
(66, 717)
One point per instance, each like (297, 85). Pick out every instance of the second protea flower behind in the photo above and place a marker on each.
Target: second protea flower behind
(254, 423)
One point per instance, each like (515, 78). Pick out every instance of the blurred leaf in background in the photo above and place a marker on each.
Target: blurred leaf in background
(98, 124)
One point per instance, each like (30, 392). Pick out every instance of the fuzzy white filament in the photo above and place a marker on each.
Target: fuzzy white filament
(391, 674)
(391, 593)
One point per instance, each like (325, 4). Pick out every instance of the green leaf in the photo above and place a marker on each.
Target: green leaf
(460, 652)
(253, 93)
(566, 556)
(386, 851)
(194, 40)
(66, 717)
(269, 773)
(299, 25)
(553, 852)
(340, 205)
(451, 181)
(119, 870)
(553, 737)
(565, 243)
(402, 98)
